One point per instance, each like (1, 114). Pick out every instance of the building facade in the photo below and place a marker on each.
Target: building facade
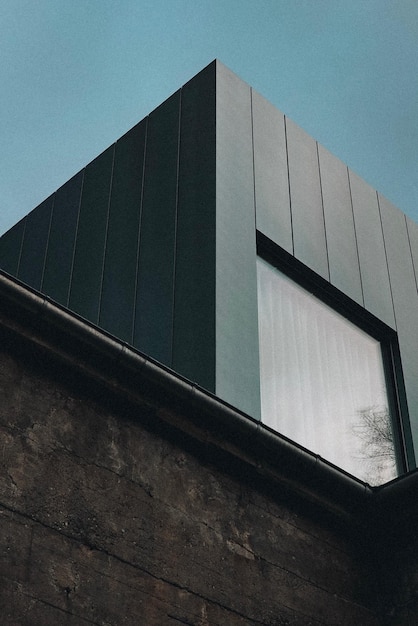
(223, 278)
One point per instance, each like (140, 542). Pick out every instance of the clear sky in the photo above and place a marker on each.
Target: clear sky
(77, 74)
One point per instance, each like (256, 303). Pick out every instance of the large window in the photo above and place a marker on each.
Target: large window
(323, 380)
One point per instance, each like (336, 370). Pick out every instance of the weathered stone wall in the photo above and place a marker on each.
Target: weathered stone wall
(396, 548)
(110, 516)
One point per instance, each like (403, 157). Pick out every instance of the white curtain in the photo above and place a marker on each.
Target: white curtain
(322, 379)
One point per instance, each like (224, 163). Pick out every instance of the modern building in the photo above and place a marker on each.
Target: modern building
(210, 355)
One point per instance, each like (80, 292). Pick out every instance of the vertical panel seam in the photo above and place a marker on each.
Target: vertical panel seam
(141, 202)
(173, 301)
(386, 257)
(255, 244)
(323, 211)
(47, 240)
(288, 185)
(75, 239)
(21, 246)
(253, 157)
(106, 234)
(410, 251)
(215, 227)
(355, 236)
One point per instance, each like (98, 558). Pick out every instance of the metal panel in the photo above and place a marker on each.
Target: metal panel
(34, 246)
(10, 248)
(306, 200)
(270, 173)
(194, 308)
(91, 235)
(155, 291)
(339, 225)
(412, 228)
(60, 251)
(405, 300)
(119, 275)
(371, 249)
(237, 360)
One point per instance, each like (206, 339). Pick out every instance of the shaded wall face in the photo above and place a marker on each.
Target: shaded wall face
(106, 518)
(400, 551)
(129, 242)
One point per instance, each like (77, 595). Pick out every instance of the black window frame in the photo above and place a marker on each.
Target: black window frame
(365, 320)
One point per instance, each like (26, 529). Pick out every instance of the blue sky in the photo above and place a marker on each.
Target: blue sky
(77, 74)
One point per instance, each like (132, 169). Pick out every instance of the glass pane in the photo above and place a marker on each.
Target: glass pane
(322, 380)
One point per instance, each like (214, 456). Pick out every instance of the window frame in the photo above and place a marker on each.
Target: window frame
(331, 296)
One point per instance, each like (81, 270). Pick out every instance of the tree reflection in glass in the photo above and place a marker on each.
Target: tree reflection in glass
(378, 458)
(322, 379)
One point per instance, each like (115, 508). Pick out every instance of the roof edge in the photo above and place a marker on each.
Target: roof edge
(203, 415)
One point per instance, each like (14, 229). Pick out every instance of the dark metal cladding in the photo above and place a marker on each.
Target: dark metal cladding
(32, 260)
(271, 176)
(306, 200)
(155, 284)
(371, 250)
(61, 240)
(237, 362)
(10, 248)
(339, 226)
(405, 297)
(195, 279)
(91, 237)
(120, 266)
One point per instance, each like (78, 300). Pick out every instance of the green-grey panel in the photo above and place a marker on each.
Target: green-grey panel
(91, 236)
(237, 358)
(343, 260)
(10, 247)
(60, 250)
(194, 309)
(155, 290)
(32, 260)
(119, 276)
(371, 250)
(306, 200)
(270, 173)
(412, 228)
(405, 300)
